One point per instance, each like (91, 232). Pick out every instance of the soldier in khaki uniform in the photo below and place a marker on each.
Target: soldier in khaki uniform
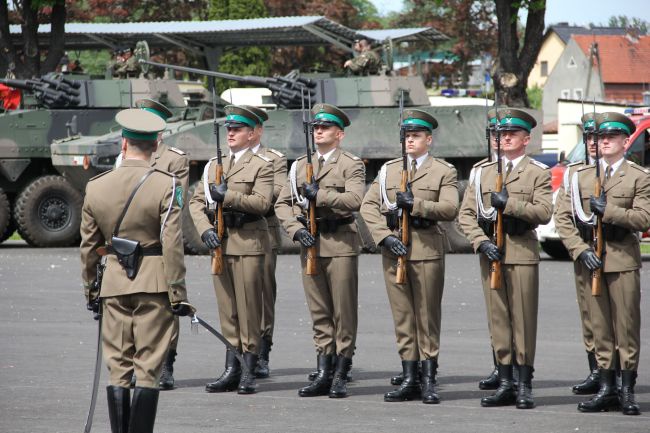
(624, 206)
(246, 195)
(526, 202)
(275, 239)
(338, 187)
(137, 308)
(576, 232)
(431, 196)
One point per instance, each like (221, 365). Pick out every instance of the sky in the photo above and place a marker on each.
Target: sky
(580, 12)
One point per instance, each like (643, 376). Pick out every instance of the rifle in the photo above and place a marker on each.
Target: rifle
(217, 254)
(584, 134)
(487, 127)
(400, 273)
(310, 268)
(495, 267)
(598, 230)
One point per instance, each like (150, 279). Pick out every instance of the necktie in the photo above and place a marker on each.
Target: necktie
(608, 173)
(414, 168)
(319, 166)
(232, 162)
(508, 168)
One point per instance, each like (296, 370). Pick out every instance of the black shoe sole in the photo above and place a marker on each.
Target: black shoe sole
(247, 391)
(488, 387)
(229, 388)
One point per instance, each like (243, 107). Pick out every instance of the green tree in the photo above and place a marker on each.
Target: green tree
(634, 23)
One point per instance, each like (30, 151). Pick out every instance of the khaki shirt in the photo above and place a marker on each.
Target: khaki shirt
(530, 199)
(153, 219)
(341, 186)
(279, 177)
(435, 194)
(250, 190)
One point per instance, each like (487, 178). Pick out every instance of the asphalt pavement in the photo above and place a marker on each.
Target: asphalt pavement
(47, 351)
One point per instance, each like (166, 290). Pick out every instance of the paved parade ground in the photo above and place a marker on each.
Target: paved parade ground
(47, 346)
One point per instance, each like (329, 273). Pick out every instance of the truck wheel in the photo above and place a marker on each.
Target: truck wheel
(191, 237)
(48, 212)
(555, 249)
(5, 215)
(11, 228)
(458, 243)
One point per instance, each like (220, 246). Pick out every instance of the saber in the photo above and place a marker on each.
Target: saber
(98, 365)
(196, 319)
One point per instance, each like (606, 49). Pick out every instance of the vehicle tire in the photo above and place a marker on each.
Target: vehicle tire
(9, 230)
(458, 243)
(191, 237)
(555, 249)
(48, 212)
(5, 214)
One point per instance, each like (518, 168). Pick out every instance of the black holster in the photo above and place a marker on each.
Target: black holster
(128, 254)
(516, 226)
(586, 231)
(236, 220)
(487, 225)
(331, 225)
(421, 223)
(613, 232)
(392, 219)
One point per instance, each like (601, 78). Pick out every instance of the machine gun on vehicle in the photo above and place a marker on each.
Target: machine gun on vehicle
(52, 91)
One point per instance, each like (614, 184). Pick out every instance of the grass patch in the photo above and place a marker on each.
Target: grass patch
(645, 247)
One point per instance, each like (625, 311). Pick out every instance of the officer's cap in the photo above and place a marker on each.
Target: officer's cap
(511, 119)
(588, 124)
(154, 107)
(418, 120)
(139, 124)
(238, 117)
(614, 123)
(260, 113)
(492, 118)
(329, 115)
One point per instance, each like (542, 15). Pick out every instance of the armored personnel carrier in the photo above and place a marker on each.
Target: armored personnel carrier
(35, 199)
(371, 102)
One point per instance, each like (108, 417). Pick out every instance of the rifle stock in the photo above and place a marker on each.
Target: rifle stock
(311, 251)
(495, 267)
(400, 275)
(217, 254)
(598, 244)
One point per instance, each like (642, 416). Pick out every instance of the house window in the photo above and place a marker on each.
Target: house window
(544, 67)
(577, 94)
(565, 93)
(572, 63)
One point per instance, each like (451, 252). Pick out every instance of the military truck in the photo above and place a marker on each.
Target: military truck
(35, 199)
(371, 102)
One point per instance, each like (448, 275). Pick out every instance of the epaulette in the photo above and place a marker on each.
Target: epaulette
(275, 152)
(481, 162)
(392, 161)
(214, 158)
(164, 172)
(573, 164)
(488, 163)
(100, 175)
(301, 157)
(443, 162)
(638, 167)
(586, 167)
(539, 164)
(177, 150)
(265, 158)
(352, 157)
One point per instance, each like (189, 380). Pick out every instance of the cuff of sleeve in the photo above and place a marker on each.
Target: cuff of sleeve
(417, 207)
(230, 199)
(578, 251)
(478, 241)
(321, 197)
(177, 291)
(610, 213)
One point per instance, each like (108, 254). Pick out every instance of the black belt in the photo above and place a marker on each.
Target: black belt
(238, 219)
(487, 225)
(613, 232)
(516, 226)
(149, 251)
(422, 223)
(331, 225)
(586, 231)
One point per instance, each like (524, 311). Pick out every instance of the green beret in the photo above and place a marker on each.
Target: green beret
(329, 115)
(615, 123)
(155, 107)
(588, 124)
(140, 124)
(260, 113)
(418, 120)
(511, 119)
(237, 117)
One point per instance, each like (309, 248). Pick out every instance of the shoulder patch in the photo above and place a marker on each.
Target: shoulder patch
(275, 152)
(265, 158)
(539, 164)
(177, 150)
(100, 175)
(349, 155)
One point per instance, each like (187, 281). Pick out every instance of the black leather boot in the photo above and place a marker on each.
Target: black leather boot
(428, 378)
(262, 370)
(229, 379)
(339, 388)
(247, 381)
(314, 373)
(492, 381)
(590, 385)
(119, 407)
(397, 379)
(628, 403)
(167, 375)
(607, 397)
(143, 410)
(409, 389)
(323, 380)
(525, 388)
(505, 393)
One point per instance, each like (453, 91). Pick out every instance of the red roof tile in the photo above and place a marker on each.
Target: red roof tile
(622, 60)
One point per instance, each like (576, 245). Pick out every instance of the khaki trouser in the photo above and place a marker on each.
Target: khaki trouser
(239, 298)
(332, 300)
(583, 293)
(269, 294)
(513, 314)
(616, 319)
(416, 306)
(136, 333)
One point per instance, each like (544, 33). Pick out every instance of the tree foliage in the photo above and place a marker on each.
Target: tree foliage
(634, 23)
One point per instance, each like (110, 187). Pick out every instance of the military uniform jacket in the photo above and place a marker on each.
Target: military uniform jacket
(250, 190)
(174, 161)
(529, 190)
(153, 219)
(628, 206)
(564, 215)
(279, 177)
(435, 194)
(341, 186)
